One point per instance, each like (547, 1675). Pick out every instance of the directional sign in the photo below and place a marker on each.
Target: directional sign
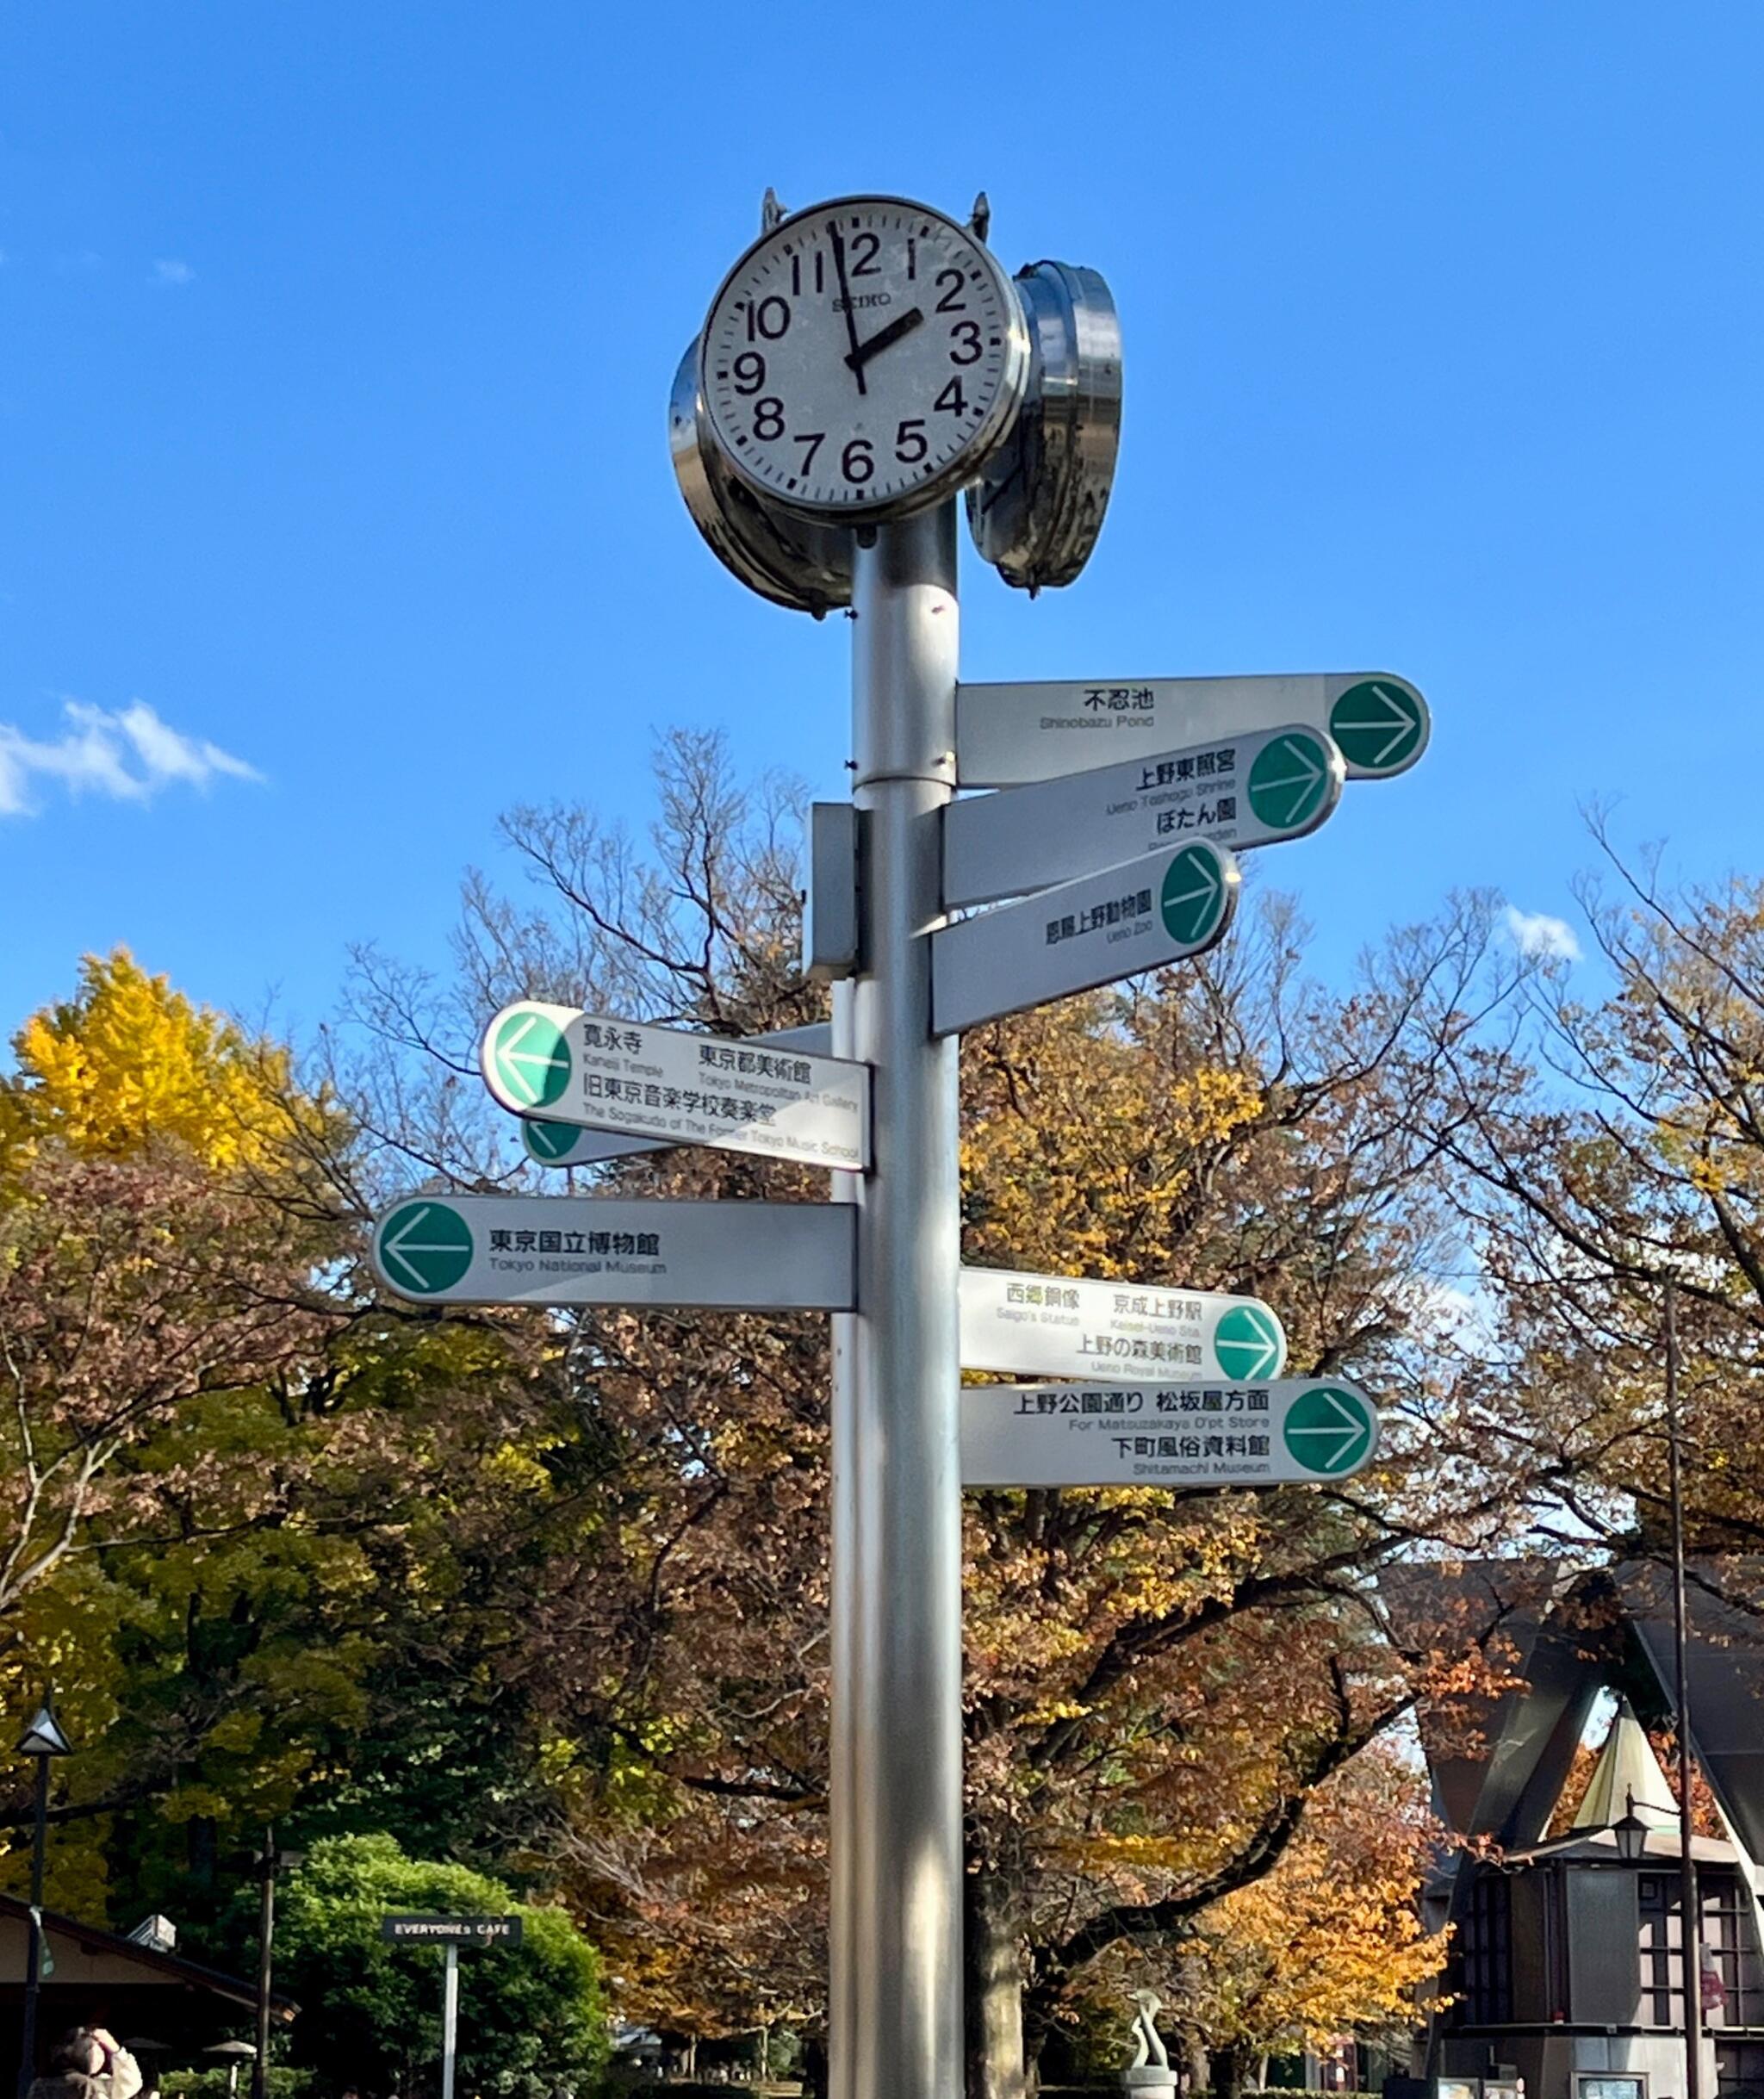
(1294, 1431)
(1239, 791)
(561, 1144)
(1155, 909)
(1076, 1326)
(450, 1930)
(662, 1083)
(593, 1250)
(1012, 735)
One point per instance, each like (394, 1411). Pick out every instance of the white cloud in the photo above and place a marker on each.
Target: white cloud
(169, 271)
(128, 756)
(1545, 939)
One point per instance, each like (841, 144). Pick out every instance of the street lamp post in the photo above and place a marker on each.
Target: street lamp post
(44, 1740)
(1691, 1932)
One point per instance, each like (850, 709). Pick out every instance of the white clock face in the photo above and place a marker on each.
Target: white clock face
(864, 356)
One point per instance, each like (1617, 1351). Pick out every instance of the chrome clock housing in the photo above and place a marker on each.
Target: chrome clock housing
(1036, 512)
(787, 558)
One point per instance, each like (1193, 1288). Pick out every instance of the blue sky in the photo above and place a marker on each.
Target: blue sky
(335, 343)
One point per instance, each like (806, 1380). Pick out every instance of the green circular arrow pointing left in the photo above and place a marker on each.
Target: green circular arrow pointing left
(1289, 779)
(529, 1056)
(548, 1142)
(424, 1248)
(1330, 1430)
(1248, 1342)
(1196, 895)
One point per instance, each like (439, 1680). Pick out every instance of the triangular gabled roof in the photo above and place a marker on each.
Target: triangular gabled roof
(1626, 1779)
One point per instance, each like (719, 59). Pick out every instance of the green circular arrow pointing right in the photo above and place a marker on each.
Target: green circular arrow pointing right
(548, 1142)
(424, 1248)
(1248, 1342)
(529, 1056)
(1289, 781)
(1196, 895)
(1380, 725)
(1330, 1430)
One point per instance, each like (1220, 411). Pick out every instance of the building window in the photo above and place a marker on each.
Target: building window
(1487, 1942)
(1739, 2069)
(1730, 1950)
(1597, 2085)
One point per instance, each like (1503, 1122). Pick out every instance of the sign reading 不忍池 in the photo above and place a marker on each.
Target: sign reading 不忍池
(598, 1250)
(1149, 911)
(1012, 735)
(400, 1931)
(565, 1144)
(1254, 1434)
(1238, 791)
(567, 1066)
(1077, 1326)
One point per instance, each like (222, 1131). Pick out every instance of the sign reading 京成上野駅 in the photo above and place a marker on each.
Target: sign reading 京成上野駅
(1078, 1327)
(1254, 1434)
(568, 1066)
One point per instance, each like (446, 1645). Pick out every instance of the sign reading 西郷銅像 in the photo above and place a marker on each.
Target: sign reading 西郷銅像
(1079, 1327)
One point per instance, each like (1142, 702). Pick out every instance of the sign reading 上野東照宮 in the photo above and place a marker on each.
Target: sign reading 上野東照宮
(1011, 735)
(451, 1930)
(1252, 1433)
(1149, 911)
(1077, 1326)
(1239, 791)
(663, 1084)
(596, 1250)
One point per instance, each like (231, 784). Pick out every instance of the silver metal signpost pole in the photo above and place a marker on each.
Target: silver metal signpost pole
(449, 2019)
(896, 1832)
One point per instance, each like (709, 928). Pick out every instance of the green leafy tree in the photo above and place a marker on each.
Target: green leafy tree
(532, 2022)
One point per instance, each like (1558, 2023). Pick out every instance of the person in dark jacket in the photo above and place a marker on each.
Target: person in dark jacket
(88, 2062)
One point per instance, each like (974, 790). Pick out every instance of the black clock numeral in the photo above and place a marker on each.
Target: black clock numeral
(909, 445)
(749, 370)
(768, 317)
(965, 339)
(864, 260)
(819, 273)
(857, 462)
(814, 439)
(768, 419)
(952, 399)
(912, 260)
(950, 282)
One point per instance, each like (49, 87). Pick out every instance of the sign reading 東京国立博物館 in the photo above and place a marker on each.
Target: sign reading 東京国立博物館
(774, 1100)
(1078, 1327)
(1253, 1433)
(1011, 736)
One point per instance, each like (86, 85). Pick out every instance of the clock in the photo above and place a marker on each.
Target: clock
(863, 360)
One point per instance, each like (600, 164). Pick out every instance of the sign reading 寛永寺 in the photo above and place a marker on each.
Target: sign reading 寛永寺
(1077, 1327)
(1149, 911)
(1239, 791)
(1012, 735)
(451, 1930)
(595, 1249)
(1254, 1434)
(565, 1066)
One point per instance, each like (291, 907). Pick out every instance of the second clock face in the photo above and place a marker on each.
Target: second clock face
(864, 356)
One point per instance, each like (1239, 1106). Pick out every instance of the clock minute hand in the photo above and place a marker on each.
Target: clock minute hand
(903, 324)
(851, 319)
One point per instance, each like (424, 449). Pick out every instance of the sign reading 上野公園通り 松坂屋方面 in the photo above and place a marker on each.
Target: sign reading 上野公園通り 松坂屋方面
(1078, 1327)
(564, 1065)
(1011, 735)
(567, 1144)
(1239, 791)
(400, 1931)
(1253, 1433)
(1158, 908)
(596, 1250)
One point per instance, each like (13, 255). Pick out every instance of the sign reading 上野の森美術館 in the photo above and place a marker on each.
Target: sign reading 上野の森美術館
(1078, 1327)
(567, 1144)
(1239, 791)
(777, 1101)
(1012, 735)
(1254, 1434)
(399, 1930)
(599, 1250)
(1157, 909)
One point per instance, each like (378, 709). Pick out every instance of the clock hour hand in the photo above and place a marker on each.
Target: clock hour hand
(851, 319)
(903, 324)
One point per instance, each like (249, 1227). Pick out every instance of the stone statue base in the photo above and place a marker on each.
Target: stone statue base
(1152, 2077)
